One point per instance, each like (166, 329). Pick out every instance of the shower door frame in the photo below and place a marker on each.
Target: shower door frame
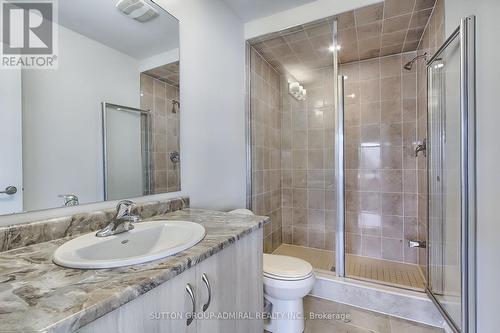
(466, 34)
(148, 186)
(338, 96)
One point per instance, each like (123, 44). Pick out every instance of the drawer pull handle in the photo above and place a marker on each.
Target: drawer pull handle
(190, 292)
(204, 278)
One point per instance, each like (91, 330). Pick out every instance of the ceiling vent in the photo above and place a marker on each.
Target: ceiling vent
(139, 10)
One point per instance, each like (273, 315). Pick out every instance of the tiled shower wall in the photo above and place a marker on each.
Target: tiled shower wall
(265, 113)
(380, 167)
(432, 39)
(307, 161)
(157, 96)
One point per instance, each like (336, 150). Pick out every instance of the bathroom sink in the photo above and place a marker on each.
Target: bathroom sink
(146, 242)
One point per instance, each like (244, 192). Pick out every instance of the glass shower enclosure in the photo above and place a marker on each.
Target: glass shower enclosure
(335, 184)
(450, 148)
(451, 178)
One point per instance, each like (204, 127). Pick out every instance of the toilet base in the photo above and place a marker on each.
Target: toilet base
(287, 316)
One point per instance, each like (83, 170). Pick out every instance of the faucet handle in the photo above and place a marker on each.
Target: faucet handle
(422, 147)
(69, 199)
(124, 207)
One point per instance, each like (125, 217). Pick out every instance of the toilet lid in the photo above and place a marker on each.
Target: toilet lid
(284, 267)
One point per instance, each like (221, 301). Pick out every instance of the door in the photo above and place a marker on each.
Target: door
(444, 178)
(214, 293)
(11, 169)
(228, 285)
(451, 178)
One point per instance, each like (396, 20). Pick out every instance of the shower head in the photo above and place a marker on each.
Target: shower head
(409, 65)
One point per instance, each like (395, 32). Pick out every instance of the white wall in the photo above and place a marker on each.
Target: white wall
(62, 143)
(488, 159)
(212, 93)
(302, 14)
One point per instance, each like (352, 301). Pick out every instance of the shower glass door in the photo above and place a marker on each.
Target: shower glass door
(451, 173)
(443, 76)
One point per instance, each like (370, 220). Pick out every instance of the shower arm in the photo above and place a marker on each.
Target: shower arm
(409, 64)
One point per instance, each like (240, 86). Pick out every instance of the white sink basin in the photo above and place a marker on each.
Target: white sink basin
(146, 242)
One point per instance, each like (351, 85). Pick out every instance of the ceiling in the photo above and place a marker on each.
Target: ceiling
(168, 73)
(249, 10)
(101, 21)
(298, 52)
(389, 27)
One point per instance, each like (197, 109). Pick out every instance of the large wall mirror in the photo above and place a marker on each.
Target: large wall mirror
(104, 124)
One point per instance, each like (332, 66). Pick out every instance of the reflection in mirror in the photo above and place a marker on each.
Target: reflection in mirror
(114, 62)
(160, 93)
(127, 151)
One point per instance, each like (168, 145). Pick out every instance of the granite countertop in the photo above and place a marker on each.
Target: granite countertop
(38, 296)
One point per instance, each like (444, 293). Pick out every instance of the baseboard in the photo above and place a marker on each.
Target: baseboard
(401, 303)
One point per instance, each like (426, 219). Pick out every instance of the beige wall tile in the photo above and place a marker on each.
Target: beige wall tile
(268, 194)
(299, 236)
(371, 246)
(379, 194)
(391, 88)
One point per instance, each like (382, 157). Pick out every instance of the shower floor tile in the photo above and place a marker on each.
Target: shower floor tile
(365, 268)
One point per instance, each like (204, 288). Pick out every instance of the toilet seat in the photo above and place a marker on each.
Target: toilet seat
(280, 278)
(286, 268)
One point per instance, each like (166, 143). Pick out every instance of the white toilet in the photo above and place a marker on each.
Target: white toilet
(286, 281)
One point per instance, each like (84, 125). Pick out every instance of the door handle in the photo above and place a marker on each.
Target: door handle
(190, 292)
(204, 278)
(10, 190)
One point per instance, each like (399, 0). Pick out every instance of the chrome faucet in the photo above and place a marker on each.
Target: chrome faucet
(122, 222)
(69, 199)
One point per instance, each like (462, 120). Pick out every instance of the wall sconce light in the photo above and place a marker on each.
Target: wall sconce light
(297, 91)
